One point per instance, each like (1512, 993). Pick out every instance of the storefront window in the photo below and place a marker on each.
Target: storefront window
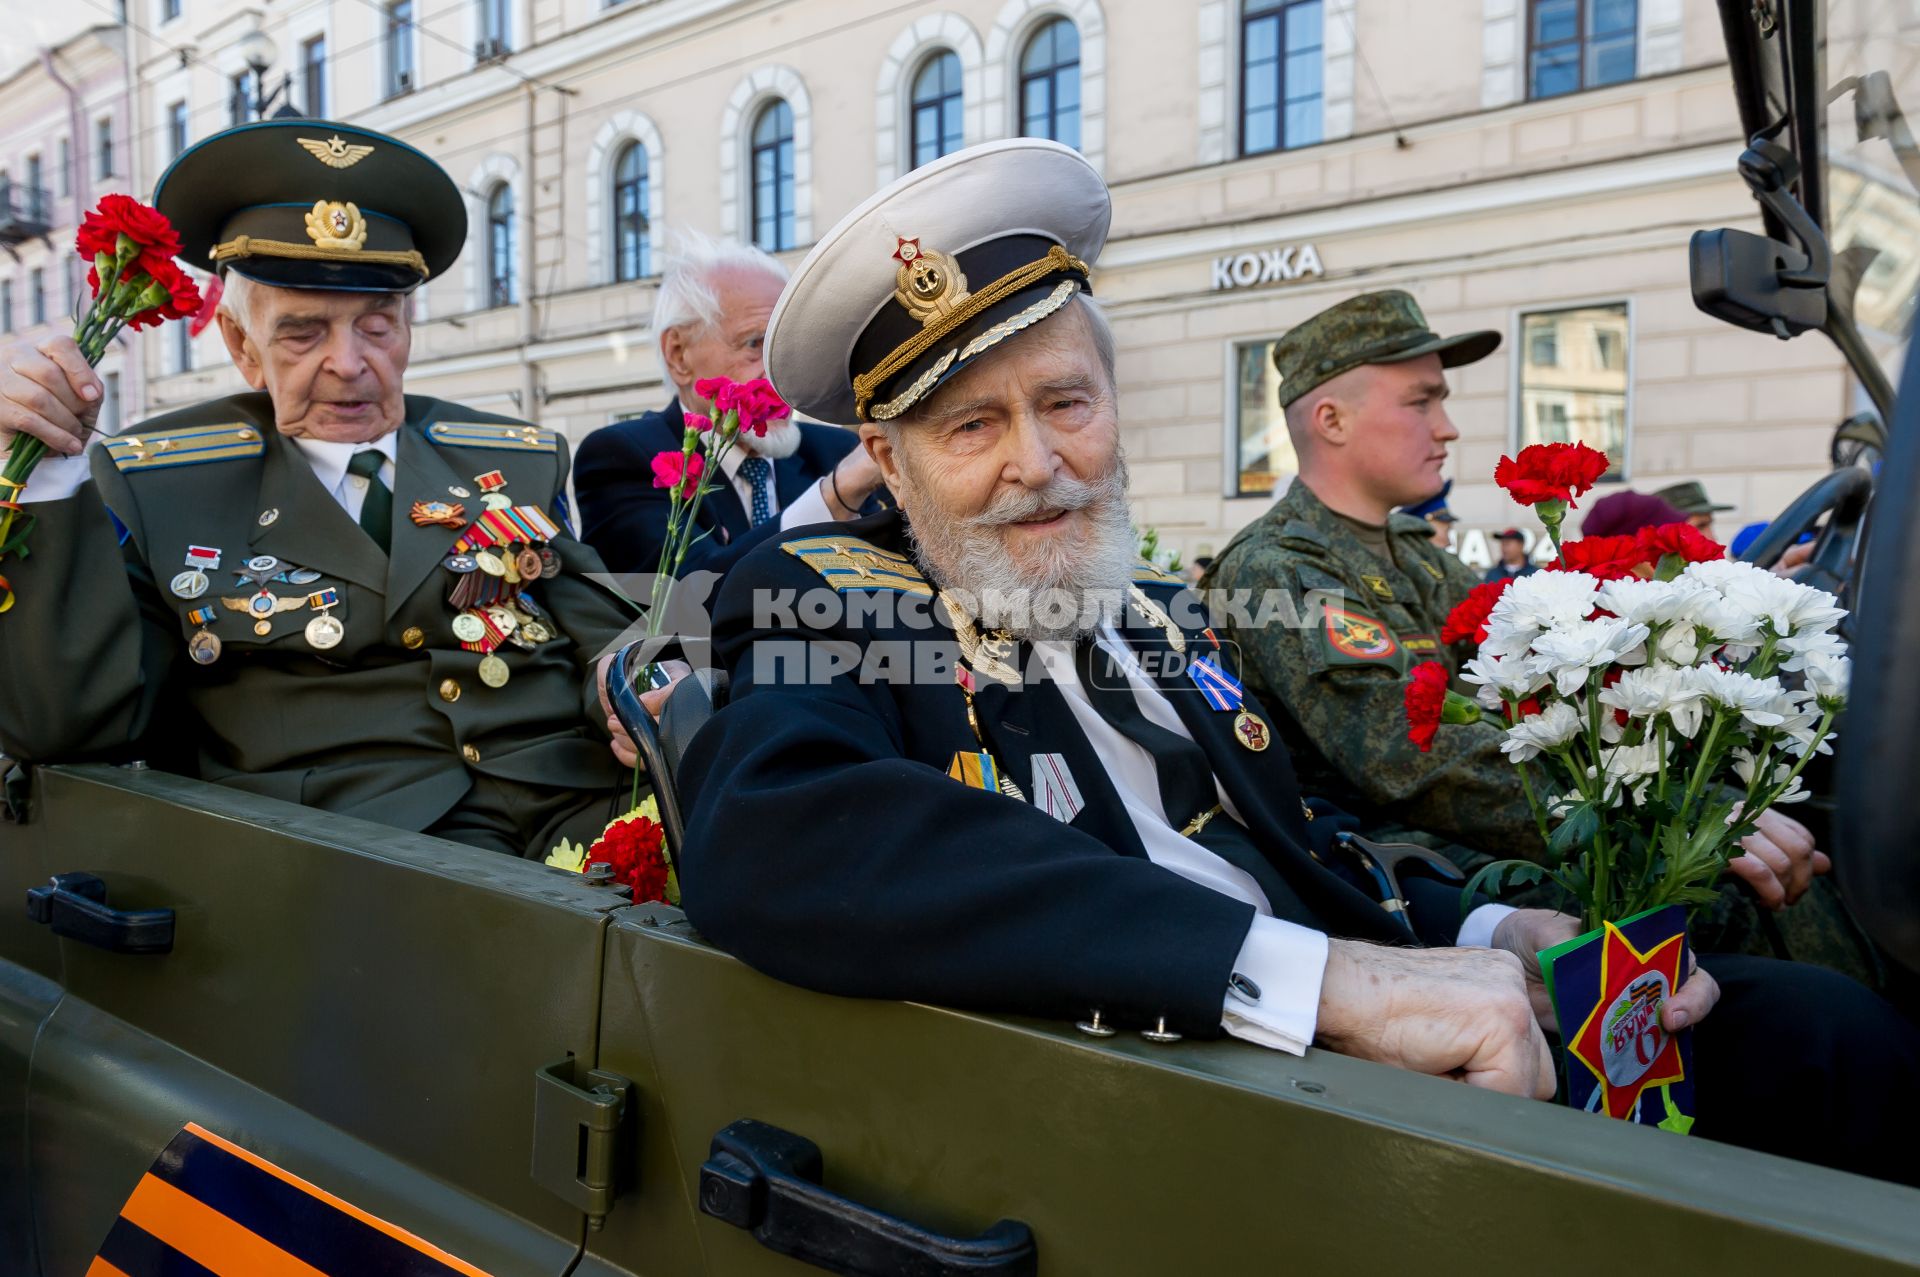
(1573, 381)
(1263, 454)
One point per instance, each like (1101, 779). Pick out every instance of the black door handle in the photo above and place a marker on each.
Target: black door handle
(767, 1180)
(76, 906)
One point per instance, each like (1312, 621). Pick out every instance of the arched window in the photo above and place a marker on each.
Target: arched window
(936, 107)
(632, 245)
(772, 159)
(500, 247)
(1050, 83)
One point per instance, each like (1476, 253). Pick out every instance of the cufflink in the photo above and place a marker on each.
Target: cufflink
(1244, 989)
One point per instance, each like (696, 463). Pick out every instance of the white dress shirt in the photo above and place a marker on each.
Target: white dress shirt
(1284, 959)
(57, 478)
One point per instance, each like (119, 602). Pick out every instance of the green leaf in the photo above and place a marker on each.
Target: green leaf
(1492, 878)
(1576, 829)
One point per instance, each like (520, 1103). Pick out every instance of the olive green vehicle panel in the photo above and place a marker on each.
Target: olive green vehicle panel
(27, 998)
(1205, 1157)
(397, 989)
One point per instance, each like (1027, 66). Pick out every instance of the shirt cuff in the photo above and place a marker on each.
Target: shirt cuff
(55, 479)
(1280, 968)
(807, 508)
(1477, 931)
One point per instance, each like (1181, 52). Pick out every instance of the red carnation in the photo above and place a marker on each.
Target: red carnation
(168, 281)
(1469, 617)
(696, 422)
(1550, 472)
(671, 469)
(1683, 539)
(118, 215)
(1426, 701)
(1608, 558)
(636, 849)
(759, 404)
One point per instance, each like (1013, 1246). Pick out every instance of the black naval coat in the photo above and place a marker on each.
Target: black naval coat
(828, 846)
(624, 517)
(393, 723)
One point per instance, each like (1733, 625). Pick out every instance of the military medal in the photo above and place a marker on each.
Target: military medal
(529, 565)
(1222, 690)
(431, 513)
(469, 628)
(503, 619)
(204, 646)
(458, 491)
(302, 576)
(204, 557)
(461, 563)
(1252, 731)
(491, 495)
(260, 569)
(493, 671)
(325, 630)
(490, 563)
(190, 584)
(1158, 616)
(989, 655)
(262, 606)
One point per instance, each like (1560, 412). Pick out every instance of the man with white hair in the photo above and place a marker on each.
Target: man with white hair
(324, 590)
(710, 318)
(980, 754)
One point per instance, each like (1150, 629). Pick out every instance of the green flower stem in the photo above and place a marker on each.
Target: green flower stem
(1533, 804)
(1702, 766)
(1820, 735)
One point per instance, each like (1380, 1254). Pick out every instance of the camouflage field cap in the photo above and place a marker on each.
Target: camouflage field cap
(1690, 498)
(1373, 328)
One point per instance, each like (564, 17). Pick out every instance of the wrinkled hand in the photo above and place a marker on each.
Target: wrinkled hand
(48, 391)
(1795, 558)
(1458, 1013)
(1525, 932)
(855, 478)
(1780, 860)
(623, 747)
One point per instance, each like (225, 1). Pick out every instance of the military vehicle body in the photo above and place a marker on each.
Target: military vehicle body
(526, 1074)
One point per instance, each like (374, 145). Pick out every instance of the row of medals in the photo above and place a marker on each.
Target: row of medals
(488, 595)
(323, 631)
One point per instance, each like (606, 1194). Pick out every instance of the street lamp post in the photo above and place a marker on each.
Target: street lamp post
(259, 52)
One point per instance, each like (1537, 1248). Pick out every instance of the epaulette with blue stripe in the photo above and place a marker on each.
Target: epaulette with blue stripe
(185, 446)
(514, 436)
(848, 563)
(1147, 572)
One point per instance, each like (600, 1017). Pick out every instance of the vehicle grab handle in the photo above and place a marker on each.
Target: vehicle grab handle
(75, 904)
(768, 1181)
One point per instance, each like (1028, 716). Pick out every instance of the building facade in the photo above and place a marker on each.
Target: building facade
(65, 123)
(1532, 166)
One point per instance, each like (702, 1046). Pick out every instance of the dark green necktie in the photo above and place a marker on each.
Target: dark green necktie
(376, 511)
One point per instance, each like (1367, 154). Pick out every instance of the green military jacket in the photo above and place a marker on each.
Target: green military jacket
(1339, 675)
(390, 723)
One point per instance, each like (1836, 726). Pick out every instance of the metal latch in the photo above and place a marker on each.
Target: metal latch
(584, 1127)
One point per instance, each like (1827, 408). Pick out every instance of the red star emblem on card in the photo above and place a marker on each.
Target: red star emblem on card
(1622, 1042)
(906, 249)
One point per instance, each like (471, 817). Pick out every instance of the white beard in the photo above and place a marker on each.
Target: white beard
(1082, 581)
(781, 441)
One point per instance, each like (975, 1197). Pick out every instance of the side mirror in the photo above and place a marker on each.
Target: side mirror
(1737, 277)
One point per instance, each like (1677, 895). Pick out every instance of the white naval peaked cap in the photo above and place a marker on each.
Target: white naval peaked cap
(931, 272)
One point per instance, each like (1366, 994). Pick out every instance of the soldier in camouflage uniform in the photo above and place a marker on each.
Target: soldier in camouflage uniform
(1374, 438)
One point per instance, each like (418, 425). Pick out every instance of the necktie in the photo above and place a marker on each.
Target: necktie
(758, 472)
(376, 511)
(1185, 775)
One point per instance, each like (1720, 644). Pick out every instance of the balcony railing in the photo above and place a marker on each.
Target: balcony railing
(25, 213)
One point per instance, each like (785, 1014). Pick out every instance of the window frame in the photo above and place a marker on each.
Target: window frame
(396, 38)
(179, 128)
(103, 148)
(1622, 471)
(170, 10)
(642, 193)
(1231, 487)
(37, 209)
(501, 290)
(6, 305)
(1023, 80)
(1580, 40)
(782, 210)
(1276, 10)
(313, 75)
(943, 102)
(242, 92)
(65, 167)
(37, 301)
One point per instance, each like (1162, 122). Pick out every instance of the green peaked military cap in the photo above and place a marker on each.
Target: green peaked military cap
(1384, 327)
(314, 204)
(1690, 498)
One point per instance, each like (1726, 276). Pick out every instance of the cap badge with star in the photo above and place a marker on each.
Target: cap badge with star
(312, 204)
(931, 273)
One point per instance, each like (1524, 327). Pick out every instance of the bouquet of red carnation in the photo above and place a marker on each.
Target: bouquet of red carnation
(635, 848)
(135, 282)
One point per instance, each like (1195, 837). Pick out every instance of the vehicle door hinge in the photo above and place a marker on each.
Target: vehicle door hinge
(585, 1128)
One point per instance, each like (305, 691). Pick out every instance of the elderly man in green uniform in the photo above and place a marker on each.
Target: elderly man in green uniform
(324, 590)
(1364, 388)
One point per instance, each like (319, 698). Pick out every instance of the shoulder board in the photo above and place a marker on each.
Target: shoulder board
(1146, 572)
(1301, 530)
(848, 563)
(493, 434)
(185, 446)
